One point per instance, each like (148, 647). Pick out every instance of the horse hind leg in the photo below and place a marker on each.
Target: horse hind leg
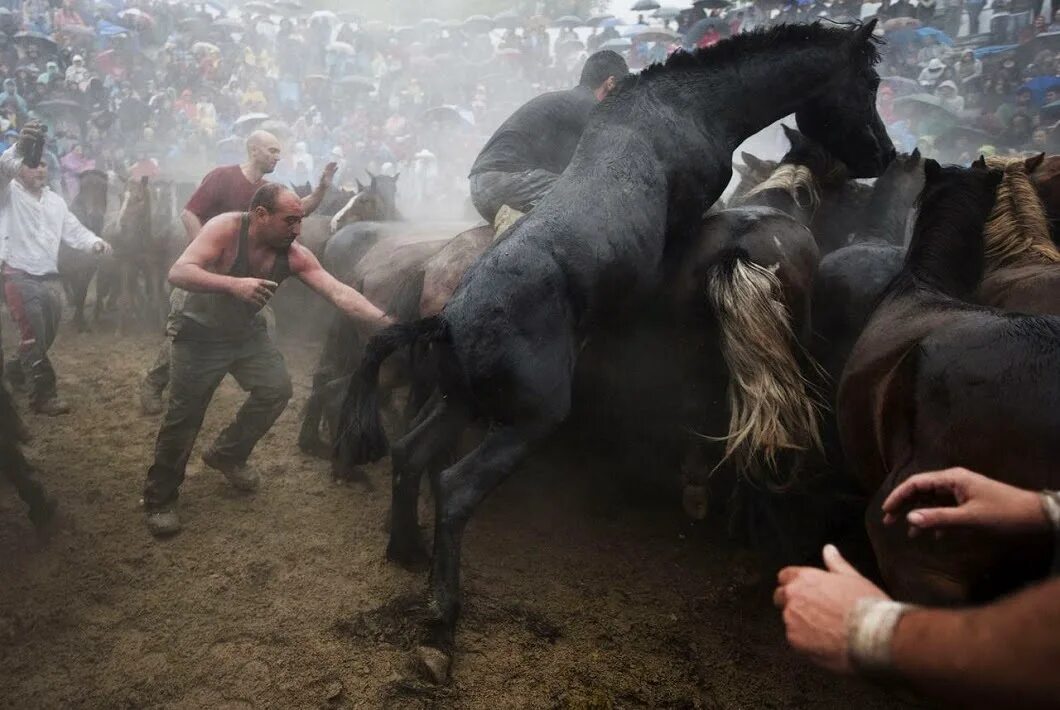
(421, 450)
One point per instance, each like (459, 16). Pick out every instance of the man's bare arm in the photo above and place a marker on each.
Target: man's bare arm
(191, 271)
(305, 266)
(1004, 654)
(192, 225)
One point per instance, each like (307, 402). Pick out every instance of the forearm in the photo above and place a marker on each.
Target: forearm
(192, 225)
(1006, 653)
(311, 201)
(196, 279)
(356, 306)
(10, 162)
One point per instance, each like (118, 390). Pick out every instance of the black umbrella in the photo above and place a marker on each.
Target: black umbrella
(595, 20)
(42, 42)
(509, 19)
(712, 4)
(696, 31)
(54, 106)
(644, 6)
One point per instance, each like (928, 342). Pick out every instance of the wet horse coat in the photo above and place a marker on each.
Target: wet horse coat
(655, 153)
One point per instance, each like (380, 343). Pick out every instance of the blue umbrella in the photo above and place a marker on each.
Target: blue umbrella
(1039, 85)
(938, 34)
(994, 49)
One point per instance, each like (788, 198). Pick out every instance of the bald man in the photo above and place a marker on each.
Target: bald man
(229, 271)
(225, 189)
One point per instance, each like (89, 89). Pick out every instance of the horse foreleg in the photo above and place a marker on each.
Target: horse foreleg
(421, 450)
(459, 490)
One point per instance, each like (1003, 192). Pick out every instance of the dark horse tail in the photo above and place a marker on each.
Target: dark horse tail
(361, 437)
(772, 406)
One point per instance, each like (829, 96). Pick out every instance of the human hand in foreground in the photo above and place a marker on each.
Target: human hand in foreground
(327, 176)
(102, 248)
(256, 292)
(817, 605)
(981, 503)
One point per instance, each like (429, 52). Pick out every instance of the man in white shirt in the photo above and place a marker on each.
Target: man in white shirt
(33, 220)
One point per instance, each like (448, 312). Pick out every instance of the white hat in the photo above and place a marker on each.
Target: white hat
(78, 58)
(935, 66)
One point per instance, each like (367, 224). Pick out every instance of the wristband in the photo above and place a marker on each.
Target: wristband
(1051, 508)
(869, 633)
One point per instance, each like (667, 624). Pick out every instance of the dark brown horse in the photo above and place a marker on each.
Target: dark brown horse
(133, 276)
(935, 381)
(78, 268)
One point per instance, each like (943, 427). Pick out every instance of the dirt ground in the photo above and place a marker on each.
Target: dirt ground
(574, 596)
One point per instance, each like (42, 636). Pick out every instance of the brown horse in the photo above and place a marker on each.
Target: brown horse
(78, 268)
(1022, 269)
(133, 274)
(935, 381)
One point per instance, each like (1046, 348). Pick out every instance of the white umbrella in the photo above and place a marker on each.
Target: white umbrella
(617, 45)
(248, 118)
(326, 15)
(341, 48)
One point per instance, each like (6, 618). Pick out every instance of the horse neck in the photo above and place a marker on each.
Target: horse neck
(946, 251)
(1017, 231)
(888, 211)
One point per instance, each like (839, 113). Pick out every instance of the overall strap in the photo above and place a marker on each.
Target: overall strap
(241, 266)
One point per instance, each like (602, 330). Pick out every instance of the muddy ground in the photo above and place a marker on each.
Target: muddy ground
(575, 595)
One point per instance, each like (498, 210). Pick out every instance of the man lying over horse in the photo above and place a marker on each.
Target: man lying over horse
(526, 155)
(230, 271)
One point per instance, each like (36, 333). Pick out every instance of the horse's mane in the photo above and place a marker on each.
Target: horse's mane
(1017, 229)
(737, 48)
(791, 179)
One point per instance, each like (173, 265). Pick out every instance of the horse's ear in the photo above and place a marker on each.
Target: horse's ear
(793, 136)
(915, 155)
(931, 169)
(369, 173)
(360, 187)
(864, 33)
(1034, 162)
(398, 173)
(143, 181)
(752, 162)
(980, 163)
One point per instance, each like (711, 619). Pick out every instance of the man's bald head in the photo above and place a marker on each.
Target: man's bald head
(263, 151)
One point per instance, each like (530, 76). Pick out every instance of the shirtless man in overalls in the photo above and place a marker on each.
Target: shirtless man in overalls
(230, 270)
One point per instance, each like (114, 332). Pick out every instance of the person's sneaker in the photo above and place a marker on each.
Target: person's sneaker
(52, 407)
(241, 477)
(163, 522)
(150, 400)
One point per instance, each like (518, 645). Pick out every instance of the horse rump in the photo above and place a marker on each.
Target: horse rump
(361, 438)
(772, 406)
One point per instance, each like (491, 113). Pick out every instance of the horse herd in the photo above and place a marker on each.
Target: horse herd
(816, 338)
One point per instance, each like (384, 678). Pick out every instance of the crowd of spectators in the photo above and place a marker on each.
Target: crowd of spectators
(162, 87)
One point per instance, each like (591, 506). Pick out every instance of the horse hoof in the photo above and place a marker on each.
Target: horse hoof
(434, 664)
(410, 556)
(694, 501)
(314, 447)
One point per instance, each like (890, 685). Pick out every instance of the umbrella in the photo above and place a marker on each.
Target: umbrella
(229, 23)
(698, 30)
(509, 19)
(655, 34)
(190, 24)
(928, 104)
(315, 78)
(570, 45)
(901, 85)
(250, 118)
(291, 6)
(479, 23)
(508, 52)
(205, 48)
(595, 20)
(993, 49)
(644, 6)
(357, 80)
(976, 136)
(256, 6)
(136, 15)
(1040, 84)
(446, 113)
(667, 13)
(42, 42)
(901, 23)
(568, 21)
(341, 48)
(611, 22)
(326, 15)
(938, 34)
(430, 22)
(618, 45)
(712, 4)
(54, 106)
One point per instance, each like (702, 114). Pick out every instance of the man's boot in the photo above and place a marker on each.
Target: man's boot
(241, 477)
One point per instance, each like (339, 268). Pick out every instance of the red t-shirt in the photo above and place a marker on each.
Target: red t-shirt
(223, 190)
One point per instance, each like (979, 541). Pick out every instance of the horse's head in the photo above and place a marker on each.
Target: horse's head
(134, 216)
(90, 205)
(385, 188)
(842, 116)
(1046, 179)
(826, 168)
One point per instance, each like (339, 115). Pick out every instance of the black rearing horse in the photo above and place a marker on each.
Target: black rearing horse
(656, 153)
